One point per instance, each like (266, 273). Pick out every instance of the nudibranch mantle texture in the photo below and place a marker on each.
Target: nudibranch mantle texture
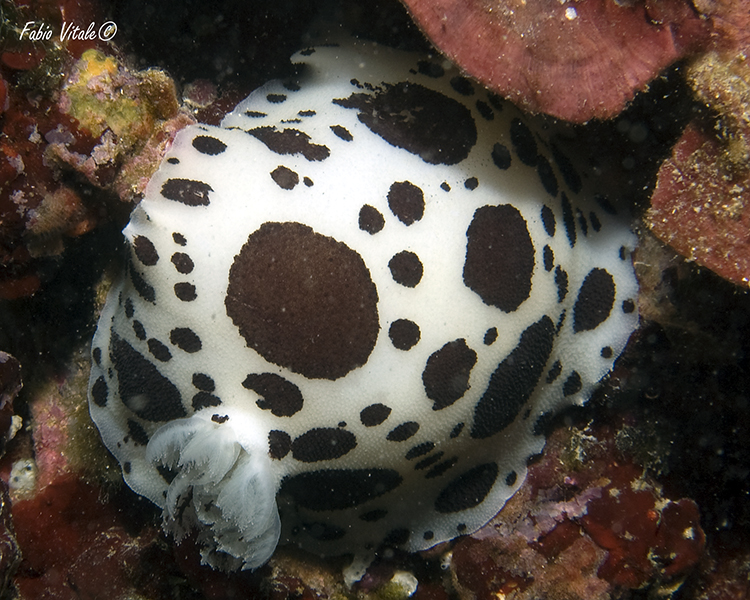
(346, 309)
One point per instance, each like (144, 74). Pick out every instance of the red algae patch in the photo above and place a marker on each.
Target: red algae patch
(586, 523)
(700, 208)
(75, 545)
(700, 202)
(102, 124)
(573, 60)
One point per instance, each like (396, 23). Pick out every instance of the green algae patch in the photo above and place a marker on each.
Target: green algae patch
(132, 116)
(102, 95)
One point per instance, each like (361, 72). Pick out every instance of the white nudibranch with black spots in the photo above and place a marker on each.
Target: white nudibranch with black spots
(347, 308)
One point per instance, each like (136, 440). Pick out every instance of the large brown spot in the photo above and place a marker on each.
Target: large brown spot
(439, 129)
(499, 257)
(446, 375)
(303, 301)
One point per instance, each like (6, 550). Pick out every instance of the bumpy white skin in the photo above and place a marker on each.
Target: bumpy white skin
(224, 479)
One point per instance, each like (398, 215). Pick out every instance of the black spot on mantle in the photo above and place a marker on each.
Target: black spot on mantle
(142, 388)
(429, 124)
(337, 489)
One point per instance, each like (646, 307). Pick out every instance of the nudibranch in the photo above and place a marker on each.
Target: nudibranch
(347, 308)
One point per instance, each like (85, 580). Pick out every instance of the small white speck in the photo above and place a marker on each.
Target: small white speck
(570, 13)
